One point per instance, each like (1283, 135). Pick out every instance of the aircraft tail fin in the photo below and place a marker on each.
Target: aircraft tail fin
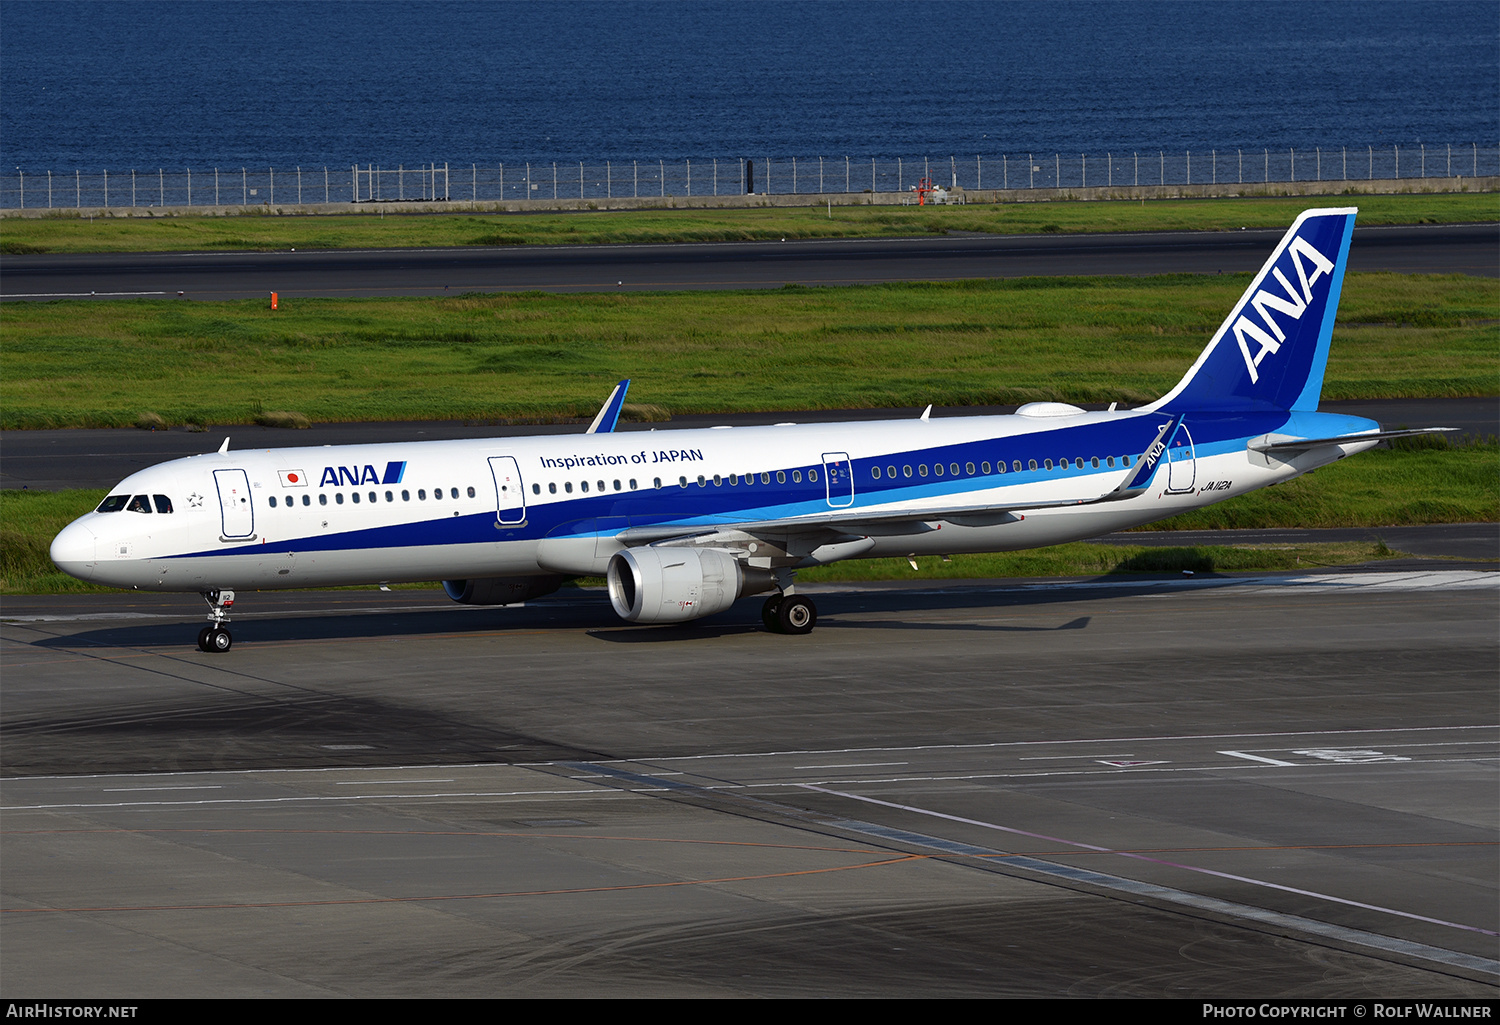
(609, 413)
(1272, 349)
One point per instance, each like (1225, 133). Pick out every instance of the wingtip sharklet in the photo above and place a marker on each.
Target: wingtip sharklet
(609, 413)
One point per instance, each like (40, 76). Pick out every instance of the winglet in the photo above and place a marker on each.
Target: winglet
(1147, 464)
(609, 413)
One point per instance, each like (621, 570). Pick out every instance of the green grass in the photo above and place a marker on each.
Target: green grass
(1414, 484)
(65, 232)
(538, 356)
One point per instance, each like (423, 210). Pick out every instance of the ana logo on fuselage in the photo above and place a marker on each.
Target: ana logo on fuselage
(1310, 265)
(357, 475)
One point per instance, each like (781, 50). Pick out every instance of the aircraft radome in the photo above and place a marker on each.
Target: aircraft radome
(683, 523)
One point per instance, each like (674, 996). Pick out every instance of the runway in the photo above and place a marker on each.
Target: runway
(1218, 787)
(1414, 249)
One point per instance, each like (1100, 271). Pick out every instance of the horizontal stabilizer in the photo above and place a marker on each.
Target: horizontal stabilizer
(1266, 442)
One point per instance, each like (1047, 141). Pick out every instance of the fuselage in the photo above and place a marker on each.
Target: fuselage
(318, 516)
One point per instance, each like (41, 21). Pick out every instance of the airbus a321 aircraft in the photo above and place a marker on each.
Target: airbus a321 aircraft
(683, 523)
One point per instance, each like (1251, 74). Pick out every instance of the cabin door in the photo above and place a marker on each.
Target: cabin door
(839, 473)
(234, 504)
(510, 496)
(1182, 467)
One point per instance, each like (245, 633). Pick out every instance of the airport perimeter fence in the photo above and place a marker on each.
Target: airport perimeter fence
(500, 181)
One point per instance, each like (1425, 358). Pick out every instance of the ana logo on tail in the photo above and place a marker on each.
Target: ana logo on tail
(1293, 305)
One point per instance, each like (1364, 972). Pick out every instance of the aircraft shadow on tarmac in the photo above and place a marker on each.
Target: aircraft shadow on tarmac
(883, 609)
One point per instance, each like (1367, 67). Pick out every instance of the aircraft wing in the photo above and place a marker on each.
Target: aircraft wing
(919, 520)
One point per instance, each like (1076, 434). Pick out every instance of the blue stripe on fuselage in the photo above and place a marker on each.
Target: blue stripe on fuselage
(710, 504)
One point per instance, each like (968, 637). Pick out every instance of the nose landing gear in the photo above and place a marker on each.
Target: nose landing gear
(216, 638)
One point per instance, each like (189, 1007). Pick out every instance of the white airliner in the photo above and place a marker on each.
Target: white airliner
(682, 523)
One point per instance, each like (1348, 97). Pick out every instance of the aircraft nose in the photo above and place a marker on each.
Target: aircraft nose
(73, 551)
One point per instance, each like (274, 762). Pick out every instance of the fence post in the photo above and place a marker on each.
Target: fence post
(273, 184)
(1083, 170)
(1004, 170)
(1057, 171)
(190, 185)
(49, 188)
(609, 180)
(1424, 159)
(132, 186)
(661, 170)
(820, 176)
(1241, 154)
(554, 179)
(106, 188)
(872, 175)
(716, 176)
(1450, 173)
(1372, 162)
(1213, 156)
(353, 184)
(1137, 156)
(1163, 176)
(688, 162)
(161, 187)
(528, 180)
(898, 174)
(21, 177)
(1267, 172)
(846, 174)
(1346, 163)
(636, 166)
(244, 187)
(1189, 166)
(1292, 162)
(1031, 170)
(299, 184)
(77, 189)
(1109, 169)
(978, 172)
(580, 179)
(1396, 150)
(1476, 159)
(1319, 162)
(502, 181)
(794, 176)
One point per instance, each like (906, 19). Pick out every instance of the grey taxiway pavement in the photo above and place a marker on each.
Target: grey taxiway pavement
(1414, 249)
(1217, 787)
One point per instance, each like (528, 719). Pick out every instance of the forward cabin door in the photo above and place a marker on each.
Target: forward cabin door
(839, 473)
(510, 496)
(235, 507)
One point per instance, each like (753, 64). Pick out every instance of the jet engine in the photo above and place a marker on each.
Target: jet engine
(672, 585)
(500, 590)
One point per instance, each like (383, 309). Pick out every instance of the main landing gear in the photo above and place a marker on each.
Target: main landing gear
(215, 638)
(789, 614)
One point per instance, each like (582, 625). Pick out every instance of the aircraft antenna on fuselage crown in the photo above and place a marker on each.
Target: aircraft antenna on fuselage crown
(224, 447)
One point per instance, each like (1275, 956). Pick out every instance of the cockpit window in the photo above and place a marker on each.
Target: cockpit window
(140, 503)
(164, 504)
(114, 503)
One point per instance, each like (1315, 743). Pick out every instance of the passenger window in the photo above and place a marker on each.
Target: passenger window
(632, 484)
(682, 482)
(536, 489)
(354, 497)
(1017, 465)
(322, 498)
(796, 476)
(656, 483)
(1109, 461)
(114, 503)
(568, 486)
(471, 491)
(601, 485)
(272, 500)
(140, 504)
(1030, 464)
(765, 478)
(1094, 462)
(164, 504)
(405, 495)
(617, 485)
(702, 481)
(953, 468)
(307, 499)
(780, 476)
(389, 497)
(875, 472)
(552, 488)
(583, 485)
(922, 470)
(718, 481)
(906, 471)
(969, 467)
(374, 497)
(890, 471)
(734, 479)
(1046, 464)
(937, 468)
(812, 475)
(338, 498)
(421, 494)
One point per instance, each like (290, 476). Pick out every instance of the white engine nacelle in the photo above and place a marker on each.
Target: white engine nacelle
(500, 590)
(672, 585)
